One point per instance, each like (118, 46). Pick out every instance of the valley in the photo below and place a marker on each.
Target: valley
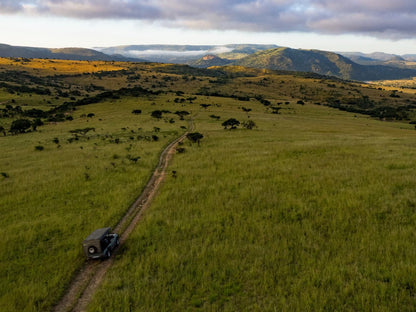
(312, 205)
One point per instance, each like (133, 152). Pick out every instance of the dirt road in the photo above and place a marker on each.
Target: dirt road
(88, 279)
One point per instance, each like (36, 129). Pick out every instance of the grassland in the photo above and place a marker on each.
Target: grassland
(408, 84)
(311, 210)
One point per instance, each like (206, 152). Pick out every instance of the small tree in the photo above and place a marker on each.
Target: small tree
(156, 114)
(195, 137)
(20, 126)
(249, 124)
(36, 123)
(232, 123)
(182, 114)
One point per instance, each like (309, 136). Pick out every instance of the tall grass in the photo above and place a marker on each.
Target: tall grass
(52, 199)
(303, 213)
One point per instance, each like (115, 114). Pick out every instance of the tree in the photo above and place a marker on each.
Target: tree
(182, 114)
(36, 123)
(156, 114)
(195, 137)
(232, 123)
(249, 124)
(20, 126)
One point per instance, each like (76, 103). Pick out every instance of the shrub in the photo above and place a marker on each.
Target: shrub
(232, 123)
(36, 123)
(20, 126)
(137, 111)
(133, 159)
(181, 114)
(249, 124)
(83, 131)
(156, 114)
(39, 148)
(195, 137)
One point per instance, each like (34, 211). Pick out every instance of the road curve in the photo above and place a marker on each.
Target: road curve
(90, 276)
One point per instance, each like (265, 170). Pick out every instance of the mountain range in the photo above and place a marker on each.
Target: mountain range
(324, 63)
(345, 65)
(184, 54)
(79, 54)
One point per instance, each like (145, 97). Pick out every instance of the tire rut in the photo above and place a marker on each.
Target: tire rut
(90, 276)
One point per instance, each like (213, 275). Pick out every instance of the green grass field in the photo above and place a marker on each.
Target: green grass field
(312, 210)
(52, 199)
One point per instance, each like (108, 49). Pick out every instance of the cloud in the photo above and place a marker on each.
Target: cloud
(10, 6)
(381, 18)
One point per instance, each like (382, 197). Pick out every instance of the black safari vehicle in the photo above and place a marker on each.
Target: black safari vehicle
(100, 243)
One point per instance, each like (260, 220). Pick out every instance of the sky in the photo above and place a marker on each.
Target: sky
(335, 25)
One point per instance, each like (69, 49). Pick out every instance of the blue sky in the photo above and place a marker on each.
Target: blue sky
(347, 25)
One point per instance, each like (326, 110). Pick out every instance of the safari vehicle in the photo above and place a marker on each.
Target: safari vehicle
(100, 243)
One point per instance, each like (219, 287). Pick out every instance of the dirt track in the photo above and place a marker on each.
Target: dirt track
(87, 280)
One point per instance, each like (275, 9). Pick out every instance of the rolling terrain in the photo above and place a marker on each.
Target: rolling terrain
(361, 67)
(80, 54)
(310, 206)
(324, 63)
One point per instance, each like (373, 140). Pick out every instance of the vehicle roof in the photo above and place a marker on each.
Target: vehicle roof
(97, 234)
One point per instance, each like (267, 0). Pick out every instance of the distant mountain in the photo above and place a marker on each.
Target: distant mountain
(210, 60)
(410, 57)
(376, 56)
(380, 58)
(321, 62)
(80, 54)
(350, 65)
(184, 54)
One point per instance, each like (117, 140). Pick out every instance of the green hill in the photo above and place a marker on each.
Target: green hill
(311, 207)
(78, 54)
(321, 62)
(210, 60)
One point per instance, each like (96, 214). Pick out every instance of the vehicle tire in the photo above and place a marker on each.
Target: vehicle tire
(92, 250)
(108, 254)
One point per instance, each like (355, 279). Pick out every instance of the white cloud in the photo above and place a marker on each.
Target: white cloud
(381, 18)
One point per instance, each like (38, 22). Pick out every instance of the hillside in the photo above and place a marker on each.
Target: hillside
(184, 54)
(379, 58)
(321, 62)
(314, 188)
(210, 60)
(79, 54)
